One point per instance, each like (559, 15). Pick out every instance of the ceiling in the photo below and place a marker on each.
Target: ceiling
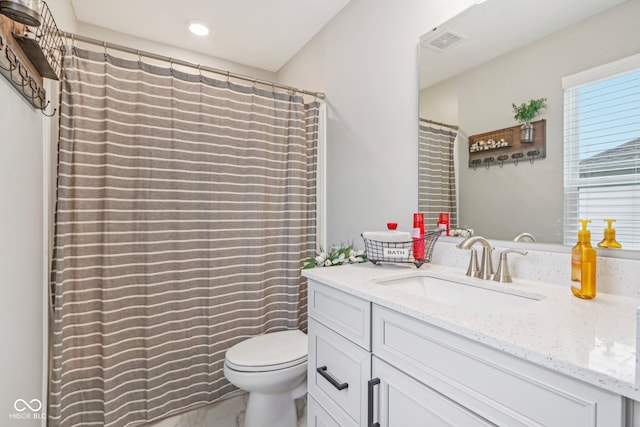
(259, 33)
(495, 27)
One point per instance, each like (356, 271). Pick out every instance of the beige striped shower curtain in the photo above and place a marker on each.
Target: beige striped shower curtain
(185, 206)
(436, 175)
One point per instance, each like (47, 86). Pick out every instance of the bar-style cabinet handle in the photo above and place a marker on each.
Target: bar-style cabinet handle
(322, 370)
(372, 383)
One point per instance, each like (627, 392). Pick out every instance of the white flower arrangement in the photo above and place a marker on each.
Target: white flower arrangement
(338, 255)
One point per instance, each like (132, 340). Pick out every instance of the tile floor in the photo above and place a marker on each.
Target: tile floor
(227, 413)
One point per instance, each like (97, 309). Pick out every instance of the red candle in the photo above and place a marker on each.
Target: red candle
(444, 223)
(418, 236)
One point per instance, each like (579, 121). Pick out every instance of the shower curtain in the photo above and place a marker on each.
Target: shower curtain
(436, 174)
(185, 206)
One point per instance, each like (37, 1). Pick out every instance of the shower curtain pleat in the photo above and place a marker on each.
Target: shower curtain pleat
(436, 175)
(185, 206)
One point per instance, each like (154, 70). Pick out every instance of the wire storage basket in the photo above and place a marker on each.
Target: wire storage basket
(402, 252)
(43, 45)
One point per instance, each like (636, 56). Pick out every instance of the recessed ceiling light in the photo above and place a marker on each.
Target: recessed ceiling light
(198, 28)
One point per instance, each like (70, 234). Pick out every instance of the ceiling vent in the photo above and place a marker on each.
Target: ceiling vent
(442, 41)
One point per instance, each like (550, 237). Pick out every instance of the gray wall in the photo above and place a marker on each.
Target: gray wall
(501, 202)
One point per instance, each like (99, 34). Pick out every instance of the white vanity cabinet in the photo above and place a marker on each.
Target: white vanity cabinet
(339, 364)
(405, 372)
(504, 389)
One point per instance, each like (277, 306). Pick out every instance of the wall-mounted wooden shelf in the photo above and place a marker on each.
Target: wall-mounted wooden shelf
(27, 55)
(489, 148)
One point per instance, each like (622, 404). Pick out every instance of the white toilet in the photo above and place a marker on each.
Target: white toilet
(272, 368)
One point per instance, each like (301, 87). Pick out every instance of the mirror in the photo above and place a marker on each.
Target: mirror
(510, 52)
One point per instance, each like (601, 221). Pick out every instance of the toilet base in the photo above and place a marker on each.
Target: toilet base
(271, 410)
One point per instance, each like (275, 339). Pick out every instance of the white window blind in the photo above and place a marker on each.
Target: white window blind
(602, 151)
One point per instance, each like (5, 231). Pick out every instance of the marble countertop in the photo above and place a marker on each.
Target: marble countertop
(590, 340)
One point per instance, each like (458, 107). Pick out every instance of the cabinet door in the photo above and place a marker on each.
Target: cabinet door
(317, 416)
(507, 390)
(402, 401)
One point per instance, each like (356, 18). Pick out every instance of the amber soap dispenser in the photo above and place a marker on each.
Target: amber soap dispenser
(609, 240)
(583, 264)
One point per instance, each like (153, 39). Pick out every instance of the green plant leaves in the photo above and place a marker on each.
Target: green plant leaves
(527, 111)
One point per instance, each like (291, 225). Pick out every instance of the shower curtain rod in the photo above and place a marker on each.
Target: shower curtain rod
(433, 122)
(107, 45)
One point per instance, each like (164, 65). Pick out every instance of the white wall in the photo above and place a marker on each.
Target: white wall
(104, 34)
(365, 60)
(501, 202)
(22, 254)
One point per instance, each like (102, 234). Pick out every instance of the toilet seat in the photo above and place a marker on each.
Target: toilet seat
(268, 352)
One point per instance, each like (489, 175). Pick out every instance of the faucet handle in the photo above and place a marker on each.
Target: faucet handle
(503, 275)
(474, 269)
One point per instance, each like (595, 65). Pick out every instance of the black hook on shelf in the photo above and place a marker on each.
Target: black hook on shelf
(11, 57)
(488, 161)
(532, 154)
(25, 77)
(45, 107)
(501, 159)
(516, 157)
(38, 98)
(10, 69)
(475, 163)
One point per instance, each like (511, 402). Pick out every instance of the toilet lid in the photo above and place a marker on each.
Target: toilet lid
(268, 352)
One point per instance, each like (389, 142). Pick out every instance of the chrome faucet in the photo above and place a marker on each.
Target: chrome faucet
(486, 265)
(503, 275)
(524, 237)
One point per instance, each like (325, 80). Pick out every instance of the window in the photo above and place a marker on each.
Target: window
(602, 151)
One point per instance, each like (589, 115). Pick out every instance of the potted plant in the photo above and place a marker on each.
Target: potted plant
(525, 113)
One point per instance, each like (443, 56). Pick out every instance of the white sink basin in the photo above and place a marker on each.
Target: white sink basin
(471, 294)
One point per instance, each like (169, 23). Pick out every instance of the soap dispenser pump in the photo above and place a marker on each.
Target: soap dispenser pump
(583, 264)
(609, 240)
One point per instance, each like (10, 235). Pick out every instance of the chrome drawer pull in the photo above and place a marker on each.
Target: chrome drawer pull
(322, 370)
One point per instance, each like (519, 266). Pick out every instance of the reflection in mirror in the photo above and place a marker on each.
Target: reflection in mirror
(504, 52)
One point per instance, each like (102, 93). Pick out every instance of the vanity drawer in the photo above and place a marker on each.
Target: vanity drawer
(502, 388)
(334, 363)
(349, 316)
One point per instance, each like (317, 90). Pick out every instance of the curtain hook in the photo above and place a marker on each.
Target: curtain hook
(200, 72)
(228, 75)
(139, 57)
(105, 49)
(171, 66)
